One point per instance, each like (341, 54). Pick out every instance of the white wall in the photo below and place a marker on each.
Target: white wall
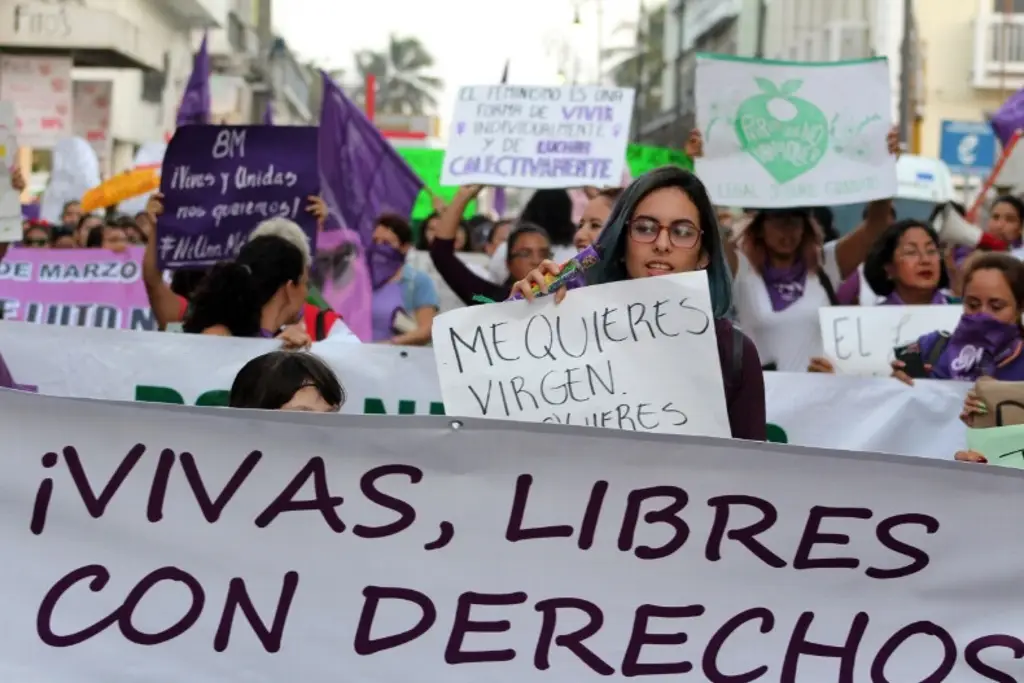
(134, 121)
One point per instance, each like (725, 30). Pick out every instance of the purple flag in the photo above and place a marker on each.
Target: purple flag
(1009, 118)
(195, 101)
(343, 278)
(268, 114)
(362, 176)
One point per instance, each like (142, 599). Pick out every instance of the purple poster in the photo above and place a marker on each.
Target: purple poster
(75, 287)
(220, 182)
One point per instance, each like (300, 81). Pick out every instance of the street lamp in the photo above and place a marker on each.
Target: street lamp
(578, 22)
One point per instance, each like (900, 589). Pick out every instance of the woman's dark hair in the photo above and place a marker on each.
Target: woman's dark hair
(523, 228)
(421, 239)
(59, 231)
(827, 222)
(752, 243)
(1011, 268)
(94, 240)
(68, 205)
(397, 225)
(883, 250)
(551, 210)
(612, 241)
(269, 381)
(939, 208)
(1017, 205)
(184, 281)
(234, 293)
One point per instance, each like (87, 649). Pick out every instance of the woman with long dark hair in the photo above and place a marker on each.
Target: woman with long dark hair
(987, 342)
(255, 295)
(528, 246)
(664, 223)
(783, 272)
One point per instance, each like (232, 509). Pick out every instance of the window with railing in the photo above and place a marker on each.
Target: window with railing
(1013, 6)
(1006, 38)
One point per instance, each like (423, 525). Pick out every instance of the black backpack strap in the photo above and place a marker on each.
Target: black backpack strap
(936, 351)
(736, 371)
(321, 324)
(830, 291)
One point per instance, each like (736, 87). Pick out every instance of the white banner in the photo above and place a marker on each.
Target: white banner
(159, 544)
(779, 134)
(828, 411)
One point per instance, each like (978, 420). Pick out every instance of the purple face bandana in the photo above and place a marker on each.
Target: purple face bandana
(385, 261)
(978, 344)
(785, 285)
(894, 299)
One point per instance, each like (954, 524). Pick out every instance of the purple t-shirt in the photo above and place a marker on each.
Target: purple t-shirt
(1011, 372)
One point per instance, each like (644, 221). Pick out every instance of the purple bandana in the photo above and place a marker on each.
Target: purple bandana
(785, 285)
(894, 299)
(978, 344)
(385, 261)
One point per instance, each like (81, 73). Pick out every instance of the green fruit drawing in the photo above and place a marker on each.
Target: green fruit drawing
(787, 135)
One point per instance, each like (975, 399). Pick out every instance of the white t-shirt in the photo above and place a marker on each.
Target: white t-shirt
(787, 338)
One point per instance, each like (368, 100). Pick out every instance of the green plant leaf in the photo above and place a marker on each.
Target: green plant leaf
(767, 87)
(790, 87)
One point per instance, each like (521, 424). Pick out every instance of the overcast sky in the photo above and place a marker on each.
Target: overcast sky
(470, 39)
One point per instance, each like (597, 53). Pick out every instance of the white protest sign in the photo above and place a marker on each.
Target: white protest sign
(860, 339)
(10, 200)
(538, 136)
(212, 545)
(780, 134)
(639, 355)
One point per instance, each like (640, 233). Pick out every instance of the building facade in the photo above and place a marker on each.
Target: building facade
(132, 58)
(693, 26)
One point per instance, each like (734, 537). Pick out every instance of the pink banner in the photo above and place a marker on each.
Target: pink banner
(75, 287)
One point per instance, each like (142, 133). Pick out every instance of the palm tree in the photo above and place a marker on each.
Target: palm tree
(641, 62)
(403, 84)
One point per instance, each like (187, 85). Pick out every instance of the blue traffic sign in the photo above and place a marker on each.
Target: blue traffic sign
(968, 147)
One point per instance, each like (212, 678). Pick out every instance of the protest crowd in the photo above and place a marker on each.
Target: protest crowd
(322, 254)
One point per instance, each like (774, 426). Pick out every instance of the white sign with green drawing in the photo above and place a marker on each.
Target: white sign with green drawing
(780, 134)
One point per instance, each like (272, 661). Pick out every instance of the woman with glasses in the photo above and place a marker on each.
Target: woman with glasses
(905, 268)
(783, 272)
(283, 380)
(528, 246)
(664, 223)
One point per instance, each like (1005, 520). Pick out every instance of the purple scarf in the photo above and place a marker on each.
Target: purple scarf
(785, 285)
(894, 299)
(977, 346)
(385, 261)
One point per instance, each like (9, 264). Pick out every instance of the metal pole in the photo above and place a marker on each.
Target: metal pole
(1004, 53)
(762, 29)
(907, 70)
(641, 89)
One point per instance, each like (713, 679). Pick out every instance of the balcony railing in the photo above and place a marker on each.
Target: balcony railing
(999, 51)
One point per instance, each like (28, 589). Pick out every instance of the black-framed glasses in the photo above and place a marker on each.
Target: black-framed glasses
(682, 234)
(36, 243)
(542, 254)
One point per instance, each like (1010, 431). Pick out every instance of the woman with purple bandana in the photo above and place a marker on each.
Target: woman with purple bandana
(405, 300)
(987, 341)
(783, 272)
